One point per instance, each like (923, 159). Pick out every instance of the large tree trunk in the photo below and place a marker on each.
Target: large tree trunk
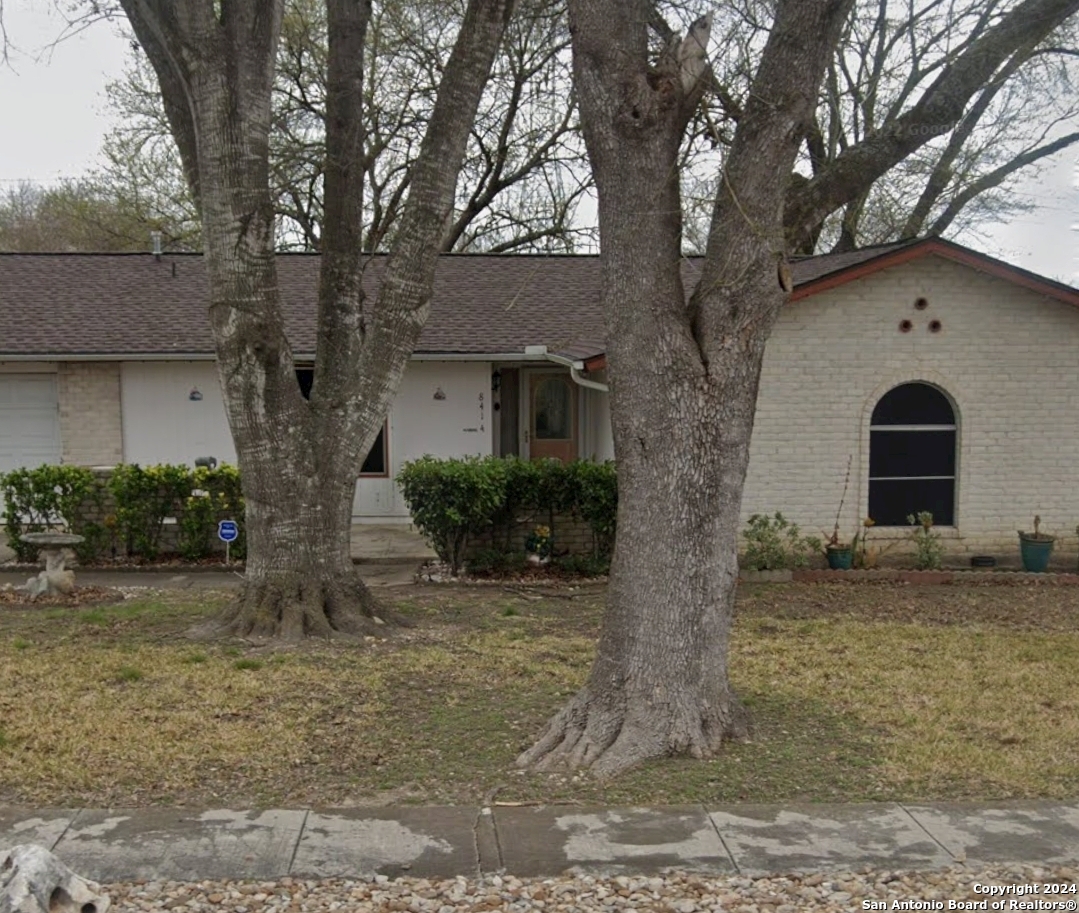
(299, 459)
(683, 376)
(300, 578)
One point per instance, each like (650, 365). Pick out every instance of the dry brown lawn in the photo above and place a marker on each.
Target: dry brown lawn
(857, 693)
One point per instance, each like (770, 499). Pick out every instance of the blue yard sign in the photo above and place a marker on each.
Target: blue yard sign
(228, 532)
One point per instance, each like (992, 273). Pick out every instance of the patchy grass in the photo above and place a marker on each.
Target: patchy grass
(872, 692)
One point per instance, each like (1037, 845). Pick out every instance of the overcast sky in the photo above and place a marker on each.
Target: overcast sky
(53, 116)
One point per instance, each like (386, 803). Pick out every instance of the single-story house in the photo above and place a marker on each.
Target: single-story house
(949, 379)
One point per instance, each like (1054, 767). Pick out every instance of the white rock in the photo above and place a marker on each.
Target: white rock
(33, 880)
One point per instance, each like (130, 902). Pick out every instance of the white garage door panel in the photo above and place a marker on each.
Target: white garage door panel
(29, 421)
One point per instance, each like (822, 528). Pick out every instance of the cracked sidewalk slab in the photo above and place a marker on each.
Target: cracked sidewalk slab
(546, 840)
(180, 844)
(428, 842)
(44, 827)
(1020, 831)
(808, 838)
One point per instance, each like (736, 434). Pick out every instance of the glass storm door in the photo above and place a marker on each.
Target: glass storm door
(552, 425)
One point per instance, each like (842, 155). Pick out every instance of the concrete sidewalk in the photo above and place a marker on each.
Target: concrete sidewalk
(192, 845)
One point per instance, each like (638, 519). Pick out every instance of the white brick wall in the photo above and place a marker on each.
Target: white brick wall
(89, 399)
(1008, 358)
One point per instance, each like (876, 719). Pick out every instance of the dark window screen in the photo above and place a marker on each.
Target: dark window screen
(375, 462)
(913, 404)
(911, 453)
(912, 464)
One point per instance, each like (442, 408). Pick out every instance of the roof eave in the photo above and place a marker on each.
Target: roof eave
(948, 250)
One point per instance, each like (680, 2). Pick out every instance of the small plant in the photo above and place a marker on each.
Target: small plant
(20, 644)
(509, 612)
(1038, 535)
(866, 556)
(834, 542)
(774, 543)
(194, 658)
(539, 542)
(1036, 548)
(928, 547)
(128, 674)
(252, 664)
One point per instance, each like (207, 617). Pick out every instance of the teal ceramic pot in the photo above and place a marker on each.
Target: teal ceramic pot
(1035, 552)
(840, 557)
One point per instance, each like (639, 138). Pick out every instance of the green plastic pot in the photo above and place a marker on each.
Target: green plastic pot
(1035, 552)
(840, 557)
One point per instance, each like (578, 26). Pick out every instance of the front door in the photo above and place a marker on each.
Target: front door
(552, 416)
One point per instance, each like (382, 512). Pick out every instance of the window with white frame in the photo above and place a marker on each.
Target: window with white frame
(912, 443)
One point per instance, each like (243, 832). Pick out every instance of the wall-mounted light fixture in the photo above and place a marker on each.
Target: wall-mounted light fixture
(195, 395)
(496, 381)
(439, 394)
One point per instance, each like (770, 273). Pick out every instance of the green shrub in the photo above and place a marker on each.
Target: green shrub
(774, 543)
(49, 498)
(583, 565)
(596, 502)
(219, 497)
(144, 498)
(521, 496)
(928, 547)
(453, 499)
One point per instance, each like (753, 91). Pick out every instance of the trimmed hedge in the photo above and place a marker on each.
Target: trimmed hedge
(124, 509)
(52, 497)
(453, 501)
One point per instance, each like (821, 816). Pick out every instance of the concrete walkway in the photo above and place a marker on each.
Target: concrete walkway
(385, 543)
(385, 555)
(191, 845)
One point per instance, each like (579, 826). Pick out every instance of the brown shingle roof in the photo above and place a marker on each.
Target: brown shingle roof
(132, 304)
(127, 305)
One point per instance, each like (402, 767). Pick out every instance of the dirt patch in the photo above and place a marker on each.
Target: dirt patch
(80, 597)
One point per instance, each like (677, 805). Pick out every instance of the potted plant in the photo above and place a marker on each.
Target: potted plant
(538, 545)
(840, 554)
(1035, 548)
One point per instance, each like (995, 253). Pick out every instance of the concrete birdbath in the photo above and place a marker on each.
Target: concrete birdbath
(56, 578)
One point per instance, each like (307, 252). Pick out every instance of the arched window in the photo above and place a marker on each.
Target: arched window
(912, 456)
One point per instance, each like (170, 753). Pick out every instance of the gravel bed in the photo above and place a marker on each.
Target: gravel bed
(677, 893)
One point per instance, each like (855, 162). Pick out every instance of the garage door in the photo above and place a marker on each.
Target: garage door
(29, 421)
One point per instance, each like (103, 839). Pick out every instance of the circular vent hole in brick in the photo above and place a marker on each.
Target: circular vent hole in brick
(905, 326)
(934, 326)
(921, 304)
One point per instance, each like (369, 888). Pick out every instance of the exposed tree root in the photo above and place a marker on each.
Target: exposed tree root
(292, 607)
(608, 735)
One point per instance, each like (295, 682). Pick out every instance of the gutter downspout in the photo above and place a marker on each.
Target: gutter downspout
(574, 367)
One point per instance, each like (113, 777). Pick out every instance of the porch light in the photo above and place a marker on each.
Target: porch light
(496, 381)
(195, 395)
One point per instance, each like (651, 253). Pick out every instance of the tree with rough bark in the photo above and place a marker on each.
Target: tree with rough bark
(889, 54)
(523, 175)
(299, 458)
(684, 369)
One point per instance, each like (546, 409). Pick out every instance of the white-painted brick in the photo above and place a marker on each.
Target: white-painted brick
(1008, 358)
